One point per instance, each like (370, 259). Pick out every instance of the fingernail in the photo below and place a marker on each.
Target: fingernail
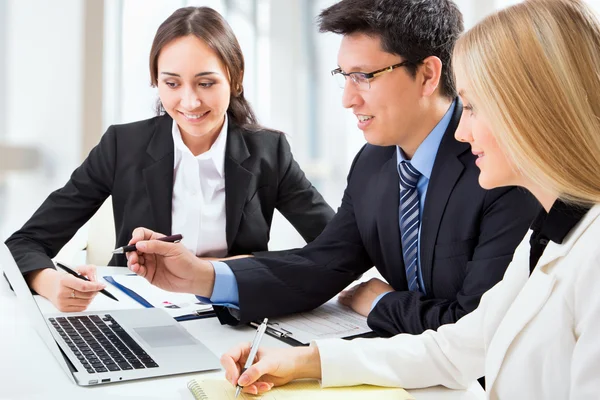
(243, 380)
(141, 245)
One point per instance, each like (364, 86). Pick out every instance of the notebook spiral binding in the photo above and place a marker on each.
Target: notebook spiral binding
(196, 390)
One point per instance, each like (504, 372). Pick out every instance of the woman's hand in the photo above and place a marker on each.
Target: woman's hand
(272, 367)
(66, 292)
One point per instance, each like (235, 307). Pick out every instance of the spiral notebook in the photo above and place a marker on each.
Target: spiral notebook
(220, 389)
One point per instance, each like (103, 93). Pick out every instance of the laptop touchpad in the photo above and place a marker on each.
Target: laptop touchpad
(164, 336)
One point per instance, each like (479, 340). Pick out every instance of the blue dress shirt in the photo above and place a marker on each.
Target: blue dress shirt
(225, 291)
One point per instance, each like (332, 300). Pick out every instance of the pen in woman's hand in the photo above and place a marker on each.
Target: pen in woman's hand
(131, 247)
(75, 274)
(253, 350)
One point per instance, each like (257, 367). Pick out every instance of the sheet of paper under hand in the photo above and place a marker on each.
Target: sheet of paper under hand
(175, 304)
(220, 389)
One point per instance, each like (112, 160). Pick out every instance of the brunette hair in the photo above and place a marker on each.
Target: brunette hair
(210, 27)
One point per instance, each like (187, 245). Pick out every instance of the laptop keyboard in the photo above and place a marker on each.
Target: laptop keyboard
(101, 344)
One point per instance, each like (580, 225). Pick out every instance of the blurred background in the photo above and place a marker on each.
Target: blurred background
(71, 68)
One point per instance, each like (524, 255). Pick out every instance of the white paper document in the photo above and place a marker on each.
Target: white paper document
(331, 320)
(176, 304)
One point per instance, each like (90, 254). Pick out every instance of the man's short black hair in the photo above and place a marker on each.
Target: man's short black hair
(412, 29)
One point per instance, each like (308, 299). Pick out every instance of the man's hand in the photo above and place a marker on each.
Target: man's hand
(360, 297)
(272, 367)
(170, 266)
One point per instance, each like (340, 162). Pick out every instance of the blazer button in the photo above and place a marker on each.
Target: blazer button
(544, 242)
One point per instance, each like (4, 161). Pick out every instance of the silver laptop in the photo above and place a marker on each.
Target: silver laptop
(113, 346)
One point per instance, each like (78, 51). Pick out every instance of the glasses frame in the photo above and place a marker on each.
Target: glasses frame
(368, 76)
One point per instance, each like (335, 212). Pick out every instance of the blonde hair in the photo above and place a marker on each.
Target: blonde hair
(534, 71)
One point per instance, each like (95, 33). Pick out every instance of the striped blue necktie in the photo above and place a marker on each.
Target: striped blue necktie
(409, 221)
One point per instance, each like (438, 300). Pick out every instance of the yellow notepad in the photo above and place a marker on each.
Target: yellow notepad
(220, 389)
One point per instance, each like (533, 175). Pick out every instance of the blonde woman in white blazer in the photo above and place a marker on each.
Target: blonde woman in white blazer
(529, 79)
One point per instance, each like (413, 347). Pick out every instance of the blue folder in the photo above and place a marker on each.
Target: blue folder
(145, 303)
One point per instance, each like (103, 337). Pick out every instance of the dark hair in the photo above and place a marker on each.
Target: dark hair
(412, 29)
(210, 27)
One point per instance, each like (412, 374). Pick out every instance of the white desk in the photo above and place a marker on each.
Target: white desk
(28, 370)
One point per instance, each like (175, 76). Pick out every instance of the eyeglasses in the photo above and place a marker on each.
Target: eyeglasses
(362, 80)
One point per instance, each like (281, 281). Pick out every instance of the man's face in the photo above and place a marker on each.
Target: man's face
(388, 113)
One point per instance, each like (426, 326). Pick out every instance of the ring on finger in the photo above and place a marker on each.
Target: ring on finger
(73, 294)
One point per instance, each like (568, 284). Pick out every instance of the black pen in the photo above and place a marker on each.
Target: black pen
(75, 274)
(131, 247)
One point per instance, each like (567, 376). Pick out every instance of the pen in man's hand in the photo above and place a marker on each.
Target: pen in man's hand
(253, 350)
(76, 275)
(131, 247)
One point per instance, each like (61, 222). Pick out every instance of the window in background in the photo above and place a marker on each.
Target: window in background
(43, 88)
(595, 4)
(3, 12)
(130, 28)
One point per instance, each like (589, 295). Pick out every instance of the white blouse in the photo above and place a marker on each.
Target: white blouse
(198, 205)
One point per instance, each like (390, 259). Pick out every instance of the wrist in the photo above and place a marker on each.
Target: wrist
(204, 278)
(42, 281)
(308, 363)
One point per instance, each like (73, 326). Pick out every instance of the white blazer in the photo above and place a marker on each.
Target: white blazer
(533, 337)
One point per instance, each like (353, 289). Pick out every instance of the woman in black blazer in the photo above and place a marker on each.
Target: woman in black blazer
(203, 167)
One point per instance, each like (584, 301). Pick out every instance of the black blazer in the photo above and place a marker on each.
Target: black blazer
(134, 164)
(467, 240)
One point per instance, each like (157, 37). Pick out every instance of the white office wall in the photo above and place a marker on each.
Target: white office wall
(43, 89)
(3, 18)
(3, 21)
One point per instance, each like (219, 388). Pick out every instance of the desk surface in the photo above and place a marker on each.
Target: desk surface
(28, 370)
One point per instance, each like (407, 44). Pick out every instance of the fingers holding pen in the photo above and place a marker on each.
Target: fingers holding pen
(142, 233)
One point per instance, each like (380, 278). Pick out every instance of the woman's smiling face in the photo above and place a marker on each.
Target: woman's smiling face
(193, 86)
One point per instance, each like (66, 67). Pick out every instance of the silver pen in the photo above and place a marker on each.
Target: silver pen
(253, 350)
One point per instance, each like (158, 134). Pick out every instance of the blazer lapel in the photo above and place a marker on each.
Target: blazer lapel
(447, 168)
(388, 228)
(237, 181)
(158, 175)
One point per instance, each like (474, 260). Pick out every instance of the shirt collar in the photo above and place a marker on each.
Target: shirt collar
(425, 155)
(556, 224)
(216, 153)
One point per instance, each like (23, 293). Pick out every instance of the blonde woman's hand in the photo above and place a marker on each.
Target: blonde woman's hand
(272, 367)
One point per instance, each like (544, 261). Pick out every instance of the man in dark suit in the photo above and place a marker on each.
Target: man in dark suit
(412, 207)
